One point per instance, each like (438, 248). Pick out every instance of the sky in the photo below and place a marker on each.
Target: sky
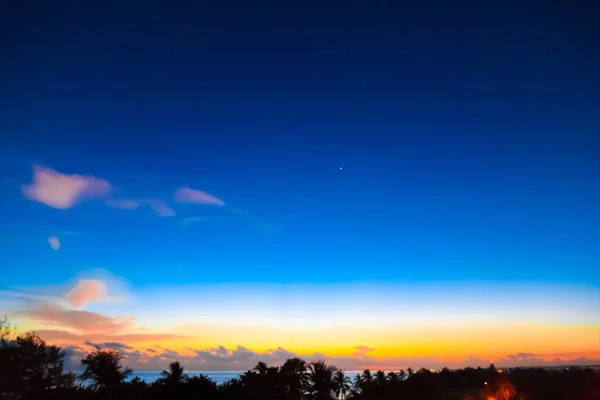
(378, 184)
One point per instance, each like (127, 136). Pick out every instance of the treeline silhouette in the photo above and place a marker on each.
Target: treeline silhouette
(32, 369)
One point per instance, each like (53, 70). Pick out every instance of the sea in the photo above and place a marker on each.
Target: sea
(217, 376)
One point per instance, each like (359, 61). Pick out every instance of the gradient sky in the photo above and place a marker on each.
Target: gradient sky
(377, 184)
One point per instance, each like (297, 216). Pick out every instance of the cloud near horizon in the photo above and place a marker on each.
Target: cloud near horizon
(62, 321)
(59, 318)
(109, 345)
(83, 322)
(65, 338)
(81, 329)
(241, 358)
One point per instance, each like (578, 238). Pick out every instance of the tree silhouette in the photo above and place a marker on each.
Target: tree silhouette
(175, 374)
(261, 368)
(138, 383)
(293, 377)
(103, 368)
(6, 330)
(380, 378)
(341, 384)
(28, 366)
(320, 377)
(201, 387)
(294, 365)
(366, 376)
(357, 387)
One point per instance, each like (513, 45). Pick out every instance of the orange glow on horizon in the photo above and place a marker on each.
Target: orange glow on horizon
(452, 343)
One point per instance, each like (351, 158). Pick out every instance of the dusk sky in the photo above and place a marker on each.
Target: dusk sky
(380, 184)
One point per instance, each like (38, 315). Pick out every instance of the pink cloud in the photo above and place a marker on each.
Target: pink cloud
(54, 242)
(85, 291)
(361, 351)
(60, 336)
(63, 191)
(83, 321)
(188, 195)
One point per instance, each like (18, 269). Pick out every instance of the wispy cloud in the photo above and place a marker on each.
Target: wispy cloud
(187, 221)
(91, 286)
(81, 321)
(59, 315)
(192, 220)
(257, 222)
(66, 337)
(160, 207)
(109, 345)
(188, 195)
(63, 191)
(54, 242)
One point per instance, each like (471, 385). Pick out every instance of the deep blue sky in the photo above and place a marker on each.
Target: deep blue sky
(468, 134)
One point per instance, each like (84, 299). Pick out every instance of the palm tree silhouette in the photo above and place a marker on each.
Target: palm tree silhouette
(380, 378)
(175, 374)
(293, 376)
(393, 377)
(261, 368)
(366, 376)
(402, 375)
(320, 377)
(341, 383)
(358, 383)
(294, 365)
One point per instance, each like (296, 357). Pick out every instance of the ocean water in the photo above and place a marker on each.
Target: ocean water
(217, 376)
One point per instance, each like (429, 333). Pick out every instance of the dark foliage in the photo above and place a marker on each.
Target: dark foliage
(29, 368)
(103, 369)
